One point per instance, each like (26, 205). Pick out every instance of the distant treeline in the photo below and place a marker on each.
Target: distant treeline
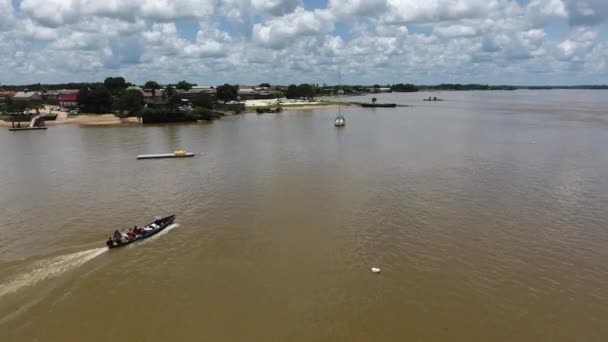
(406, 88)
(400, 87)
(40, 87)
(458, 86)
(565, 87)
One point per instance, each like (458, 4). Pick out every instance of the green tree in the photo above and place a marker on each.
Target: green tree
(203, 100)
(115, 84)
(18, 107)
(132, 101)
(152, 85)
(306, 91)
(227, 92)
(6, 102)
(172, 98)
(265, 85)
(404, 87)
(278, 94)
(37, 106)
(95, 99)
(292, 92)
(170, 92)
(204, 113)
(184, 85)
(301, 91)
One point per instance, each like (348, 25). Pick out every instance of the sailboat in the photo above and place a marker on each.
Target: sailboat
(340, 119)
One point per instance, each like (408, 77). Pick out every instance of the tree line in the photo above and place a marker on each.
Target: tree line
(472, 86)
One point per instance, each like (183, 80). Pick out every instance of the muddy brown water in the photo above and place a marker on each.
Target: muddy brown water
(486, 212)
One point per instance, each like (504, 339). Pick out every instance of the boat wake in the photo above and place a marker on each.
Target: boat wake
(164, 231)
(49, 268)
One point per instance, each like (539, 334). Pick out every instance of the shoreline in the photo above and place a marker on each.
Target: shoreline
(111, 120)
(84, 120)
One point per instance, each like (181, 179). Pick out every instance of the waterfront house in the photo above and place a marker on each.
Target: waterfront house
(68, 100)
(254, 93)
(6, 94)
(50, 97)
(380, 90)
(204, 89)
(187, 95)
(155, 96)
(25, 95)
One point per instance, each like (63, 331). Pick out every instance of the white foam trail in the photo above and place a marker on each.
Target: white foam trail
(49, 268)
(162, 232)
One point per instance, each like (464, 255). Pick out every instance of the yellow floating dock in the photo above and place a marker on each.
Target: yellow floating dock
(175, 154)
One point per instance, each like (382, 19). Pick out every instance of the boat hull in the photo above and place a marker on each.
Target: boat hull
(165, 155)
(162, 224)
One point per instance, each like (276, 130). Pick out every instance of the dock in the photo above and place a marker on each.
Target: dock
(379, 105)
(166, 155)
(27, 129)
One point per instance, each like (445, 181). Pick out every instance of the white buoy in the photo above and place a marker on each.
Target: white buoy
(376, 270)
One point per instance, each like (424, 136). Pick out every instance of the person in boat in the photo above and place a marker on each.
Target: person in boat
(117, 236)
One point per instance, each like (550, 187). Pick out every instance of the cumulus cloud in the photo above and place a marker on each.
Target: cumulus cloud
(587, 12)
(177, 9)
(348, 8)
(580, 42)
(413, 11)
(7, 15)
(541, 10)
(54, 13)
(51, 13)
(456, 30)
(277, 32)
(297, 40)
(276, 7)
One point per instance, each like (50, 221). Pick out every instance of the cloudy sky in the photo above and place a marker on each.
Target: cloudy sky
(295, 41)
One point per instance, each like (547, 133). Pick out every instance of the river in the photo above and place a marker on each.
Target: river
(486, 213)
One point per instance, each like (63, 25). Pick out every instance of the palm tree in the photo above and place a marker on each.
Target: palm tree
(36, 106)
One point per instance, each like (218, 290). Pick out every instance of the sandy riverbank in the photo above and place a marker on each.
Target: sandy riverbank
(87, 120)
(80, 119)
(110, 119)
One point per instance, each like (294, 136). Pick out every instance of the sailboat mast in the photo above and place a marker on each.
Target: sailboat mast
(339, 99)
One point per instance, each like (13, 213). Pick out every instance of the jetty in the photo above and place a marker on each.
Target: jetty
(175, 154)
(375, 105)
(27, 129)
(36, 123)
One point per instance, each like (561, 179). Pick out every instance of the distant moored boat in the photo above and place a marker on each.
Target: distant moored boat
(379, 105)
(340, 121)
